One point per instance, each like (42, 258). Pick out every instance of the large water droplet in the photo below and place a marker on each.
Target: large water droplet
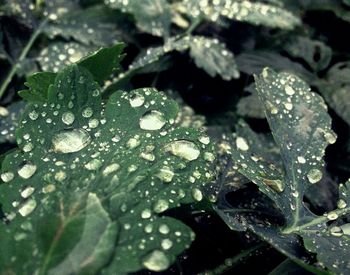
(184, 149)
(330, 137)
(197, 194)
(70, 141)
(160, 206)
(242, 144)
(68, 118)
(314, 175)
(27, 170)
(156, 261)
(166, 244)
(27, 192)
(164, 229)
(146, 214)
(7, 176)
(152, 120)
(165, 174)
(27, 207)
(136, 100)
(93, 164)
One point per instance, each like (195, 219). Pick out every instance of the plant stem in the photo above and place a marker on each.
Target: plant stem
(231, 262)
(22, 56)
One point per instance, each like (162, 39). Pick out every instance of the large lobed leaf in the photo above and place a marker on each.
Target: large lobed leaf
(87, 188)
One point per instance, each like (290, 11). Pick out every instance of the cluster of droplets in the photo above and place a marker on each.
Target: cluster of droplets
(58, 55)
(255, 13)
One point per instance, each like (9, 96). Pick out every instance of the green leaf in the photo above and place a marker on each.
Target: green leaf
(9, 121)
(152, 16)
(104, 62)
(60, 54)
(208, 54)
(38, 85)
(317, 54)
(84, 165)
(212, 56)
(336, 89)
(255, 13)
(91, 26)
(301, 129)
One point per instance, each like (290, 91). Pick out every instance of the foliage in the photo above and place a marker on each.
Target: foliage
(242, 161)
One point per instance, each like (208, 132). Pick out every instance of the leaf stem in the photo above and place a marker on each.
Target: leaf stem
(22, 56)
(319, 220)
(231, 262)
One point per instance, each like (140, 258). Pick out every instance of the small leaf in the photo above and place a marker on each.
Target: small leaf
(246, 11)
(152, 16)
(38, 85)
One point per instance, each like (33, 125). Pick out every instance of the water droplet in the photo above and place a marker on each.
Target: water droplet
(165, 174)
(28, 147)
(7, 176)
(93, 123)
(146, 214)
(27, 207)
(148, 156)
(110, 169)
(204, 139)
(116, 138)
(60, 176)
(209, 156)
(166, 244)
(346, 228)
(275, 184)
(27, 170)
(289, 90)
(93, 164)
(68, 118)
(336, 231)
(70, 141)
(184, 149)
(152, 120)
(332, 216)
(341, 204)
(49, 188)
(301, 159)
(164, 229)
(242, 144)
(197, 194)
(160, 206)
(33, 115)
(156, 261)
(330, 137)
(288, 106)
(133, 143)
(136, 100)
(87, 112)
(27, 192)
(314, 175)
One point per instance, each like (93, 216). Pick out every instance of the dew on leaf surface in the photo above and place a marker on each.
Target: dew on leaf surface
(70, 141)
(152, 120)
(184, 149)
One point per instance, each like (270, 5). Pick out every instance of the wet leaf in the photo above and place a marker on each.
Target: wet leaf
(152, 16)
(208, 54)
(9, 117)
(115, 166)
(301, 128)
(255, 13)
(91, 26)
